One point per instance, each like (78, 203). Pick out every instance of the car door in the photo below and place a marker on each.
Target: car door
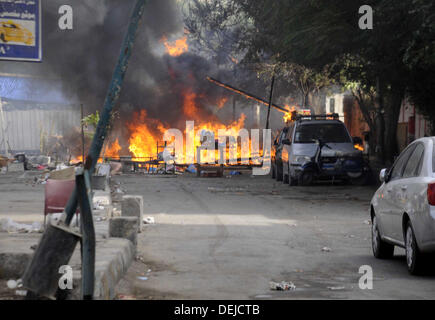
(389, 206)
(406, 189)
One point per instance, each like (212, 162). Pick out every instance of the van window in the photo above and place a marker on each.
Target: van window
(327, 132)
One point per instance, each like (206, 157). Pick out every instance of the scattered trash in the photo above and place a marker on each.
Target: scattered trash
(191, 169)
(149, 220)
(22, 293)
(367, 222)
(12, 284)
(143, 278)
(336, 288)
(118, 190)
(10, 226)
(125, 297)
(235, 173)
(282, 286)
(326, 249)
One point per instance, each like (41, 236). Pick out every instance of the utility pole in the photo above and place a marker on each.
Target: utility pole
(270, 100)
(82, 133)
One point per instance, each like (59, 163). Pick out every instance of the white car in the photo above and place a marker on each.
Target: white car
(403, 208)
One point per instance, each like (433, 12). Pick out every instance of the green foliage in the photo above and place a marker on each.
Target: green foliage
(91, 120)
(317, 42)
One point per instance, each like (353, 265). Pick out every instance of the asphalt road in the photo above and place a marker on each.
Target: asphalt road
(228, 238)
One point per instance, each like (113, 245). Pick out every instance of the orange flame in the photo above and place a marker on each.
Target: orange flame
(176, 48)
(289, 116)
(113, 150)
(146, 133)
(222, 102)
(358, 147)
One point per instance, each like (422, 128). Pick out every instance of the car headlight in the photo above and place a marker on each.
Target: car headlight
(300, 159)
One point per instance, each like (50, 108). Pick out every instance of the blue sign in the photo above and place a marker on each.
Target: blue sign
(20, 30)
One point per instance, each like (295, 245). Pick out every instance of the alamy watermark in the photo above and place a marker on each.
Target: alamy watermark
(66, 279)
(203, 147)
(366, 20)
(366, 280)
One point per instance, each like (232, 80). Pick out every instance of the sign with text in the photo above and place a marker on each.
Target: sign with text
(20, 30)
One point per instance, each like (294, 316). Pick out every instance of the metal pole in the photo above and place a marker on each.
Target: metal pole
(83, 185)
(247, 95)
(2, 121)
(270, 101)
(83, 132)
(110, 101)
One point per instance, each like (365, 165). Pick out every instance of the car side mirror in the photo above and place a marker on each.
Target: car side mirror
(383, 175)
(286, 142)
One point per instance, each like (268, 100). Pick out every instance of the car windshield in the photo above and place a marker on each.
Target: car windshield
(328, 133)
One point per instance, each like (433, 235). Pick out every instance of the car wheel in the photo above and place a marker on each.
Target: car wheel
(414, 258)
(381, 249)
(285, 179)
(292, 181)
(306, 178)
(278, 172)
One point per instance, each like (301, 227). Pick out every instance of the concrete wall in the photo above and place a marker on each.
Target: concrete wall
(421, 125)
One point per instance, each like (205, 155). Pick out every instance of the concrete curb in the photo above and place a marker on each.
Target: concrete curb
(13, 265)
(114, 257)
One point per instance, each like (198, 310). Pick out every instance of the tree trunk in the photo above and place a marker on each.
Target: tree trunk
(391, 116)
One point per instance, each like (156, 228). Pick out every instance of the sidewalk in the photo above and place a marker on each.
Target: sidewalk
(113, 255)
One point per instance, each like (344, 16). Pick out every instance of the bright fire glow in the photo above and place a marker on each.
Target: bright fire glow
(359, 147)
(288, 116)
(146, 132)
(176, 48)
(113, 150)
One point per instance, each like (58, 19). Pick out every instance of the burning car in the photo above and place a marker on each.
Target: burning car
(317, 148)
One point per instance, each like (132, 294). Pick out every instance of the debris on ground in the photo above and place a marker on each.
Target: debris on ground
(10, 226)
(336, 288)
(191, 169)
(143, 278)
(282, 286)
(367, 222)
(126, 297)
(149, 220)
(13, 284)
(21, 293)
(326, 249)
(235, 173)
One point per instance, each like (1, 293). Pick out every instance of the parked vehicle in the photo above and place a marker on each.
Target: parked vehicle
(317, 148)
(403, 208)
